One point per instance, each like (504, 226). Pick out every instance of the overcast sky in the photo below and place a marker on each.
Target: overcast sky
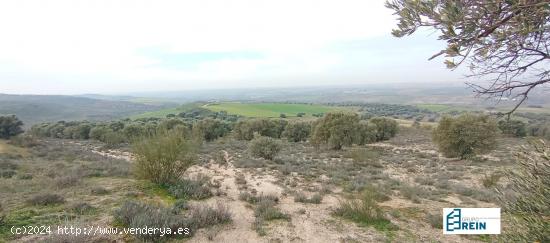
(115, 46)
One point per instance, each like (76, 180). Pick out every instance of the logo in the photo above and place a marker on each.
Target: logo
(471, 221)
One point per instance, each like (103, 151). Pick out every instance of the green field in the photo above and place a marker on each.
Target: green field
(158, 114)
(269, 109)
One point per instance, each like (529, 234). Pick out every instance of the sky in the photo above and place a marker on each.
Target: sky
(118, 46)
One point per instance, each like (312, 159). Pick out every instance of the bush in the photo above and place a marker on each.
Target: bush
(7, 173)
(515, 128)
(528, 206)
(45, 199)
(2, 215)
(82, 208)
(363, 211)
(264, 147)
(266, 210)
(336, 129)
(315, 199)
(163, 157)
(248, 197)
(385, 128)
(24, 140)
(205, 216)
(10, 126)
(210, 129)
(297, 131)
(190, 189)
(138, 215)
(465, 136)
(435, 220)
(245, 130)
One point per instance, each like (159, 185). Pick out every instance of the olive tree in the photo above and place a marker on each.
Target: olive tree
(10, 126)
(337, 129)
(297, 131)
(210, 129)
(505, 42)
(465, 136)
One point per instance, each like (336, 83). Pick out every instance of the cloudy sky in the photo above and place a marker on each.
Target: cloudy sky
(116, 46)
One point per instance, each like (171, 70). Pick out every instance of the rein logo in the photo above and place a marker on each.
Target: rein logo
(471, 221)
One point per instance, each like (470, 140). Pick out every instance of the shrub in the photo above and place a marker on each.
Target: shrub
(264, 147)
(24, 140)
(528, 206)
(82, 208)
(10, 126)
(248, 197)
(363, 211)
(266, 210)
(190, 189)
(337, 129)
(302, 198)
(385, 128)
(139, 215)
(163, 157)
(2, 215)
(435, 220)
(297, 131)
(515, 128)
(491, 180)
(205, 216)
(210, 129)
(7, 173)
(67, 181)
(245, 129)
(45, 199)
(98, 190)
(465, 136)
(179, 205)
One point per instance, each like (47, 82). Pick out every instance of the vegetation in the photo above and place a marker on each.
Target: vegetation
(507, 42)
(529, 205)
(210, 129)
(336, 130)
(344, 129)
(10, 126)
(465, 136)
(385, 128)
(513, 127)
(269, 109)
(246, 129)
(264, 147)
(364, 211)
(297, 131)
(139, 215)
(163, 157)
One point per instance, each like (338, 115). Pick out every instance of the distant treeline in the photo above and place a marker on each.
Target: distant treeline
(336, 129)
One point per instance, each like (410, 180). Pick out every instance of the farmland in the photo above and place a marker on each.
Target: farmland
(269, 109)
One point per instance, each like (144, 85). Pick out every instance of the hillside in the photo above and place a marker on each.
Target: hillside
(32, 109)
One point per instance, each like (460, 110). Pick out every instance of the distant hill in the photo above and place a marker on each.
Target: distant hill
(33, 109)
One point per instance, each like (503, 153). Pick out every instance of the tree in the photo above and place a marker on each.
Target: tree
(297, 131)
(210, 129)
(385, 128)
(10, 126)
(264, 147)
(164, 156)
(466, 135)
(245, 129)
(528, 206)
(515, 128)
(337, 129)
(507, 42)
